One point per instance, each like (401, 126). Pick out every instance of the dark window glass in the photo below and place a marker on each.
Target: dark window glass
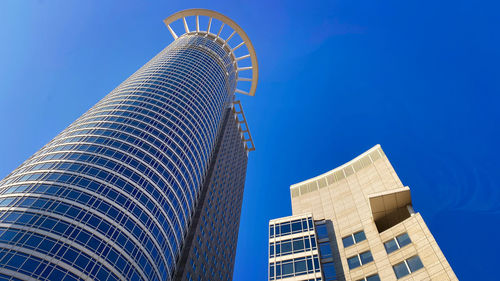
(287, 268)
(373, 278)
(390, 246)
(325, 250)
(348, 241)
(359, 236)
(271, 271)
(286, 247)
(313, 242)
(271, 231)
(403, 240)
(298, 245)
(366, 257)
(300, 266)
(353, 262)
(400, 270)
(296, 227)
(285, 229)
(322, 232)
(329, 271)
(414, 263)
(271, 250)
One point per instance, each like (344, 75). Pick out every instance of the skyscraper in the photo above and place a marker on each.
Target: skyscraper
(147, 184)
(361, 226)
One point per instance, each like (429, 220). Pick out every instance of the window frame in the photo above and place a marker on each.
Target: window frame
(395, 239)
(353, 237)
(358, 255)
(405, 262)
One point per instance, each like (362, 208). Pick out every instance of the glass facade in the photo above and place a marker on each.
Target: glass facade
(293, 249)
(210, 248)
(113, 195)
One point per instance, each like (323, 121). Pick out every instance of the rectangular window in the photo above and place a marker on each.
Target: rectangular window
(294, 267)
(407, 266)
(291, 246)
(360, 259)
(353, 238)
(397, 243)
(353, 262)
(414, 263)
(366, 257)
(403, 240)
(322, 231)
(329, 271)
(373, 277)
(325, 250)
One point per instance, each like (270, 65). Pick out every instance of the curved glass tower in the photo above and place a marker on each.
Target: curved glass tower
(117, 193)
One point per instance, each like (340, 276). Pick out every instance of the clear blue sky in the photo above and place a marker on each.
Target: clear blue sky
(421, 78)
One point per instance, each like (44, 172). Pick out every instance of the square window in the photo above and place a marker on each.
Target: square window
(414, 263)
(403, 240)
(400, 270)
(348, 241)
(353, 262)
(329, 271)
(285, 228)
(296, 227)
(286, 247)
(366, 257)
(373, 278)
(300, 266)
(298, 245)
(390, 246)
(359, 236)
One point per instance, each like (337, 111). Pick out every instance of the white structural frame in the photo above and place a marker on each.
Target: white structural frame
(236, 29)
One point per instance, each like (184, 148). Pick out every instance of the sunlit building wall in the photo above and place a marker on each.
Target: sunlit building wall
(366, 226)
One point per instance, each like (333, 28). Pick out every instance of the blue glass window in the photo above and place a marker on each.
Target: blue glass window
(391, 246)
(325, 250)
(366, 257)
(396, 243)
(414, 263)
(322, 231)
(353, 262)
(374, 277)
(401, 270)
(353, 238)
(403, 240)
(348, 241)
(329, 271)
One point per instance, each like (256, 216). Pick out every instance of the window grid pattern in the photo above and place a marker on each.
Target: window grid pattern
(294, 267)
(213, 246)
(304, 240)
(291, 227)
(112, 195)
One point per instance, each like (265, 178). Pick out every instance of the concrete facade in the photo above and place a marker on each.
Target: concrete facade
(367, 195)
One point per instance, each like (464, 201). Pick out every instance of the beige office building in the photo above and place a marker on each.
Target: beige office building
(365, 226)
